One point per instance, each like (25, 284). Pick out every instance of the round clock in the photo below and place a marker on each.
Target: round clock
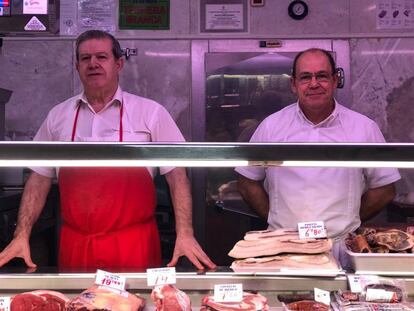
(298, 9)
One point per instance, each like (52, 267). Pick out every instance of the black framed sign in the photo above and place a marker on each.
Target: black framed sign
(142, 14)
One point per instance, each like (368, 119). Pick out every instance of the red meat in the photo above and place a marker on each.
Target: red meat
(39, 300)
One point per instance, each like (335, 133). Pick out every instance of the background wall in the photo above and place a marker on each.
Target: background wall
(40, 71)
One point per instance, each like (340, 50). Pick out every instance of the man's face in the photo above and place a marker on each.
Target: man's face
(98, 69)
(314, 83)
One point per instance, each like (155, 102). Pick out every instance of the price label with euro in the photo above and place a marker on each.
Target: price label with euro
(311, 230)
(228, 292)
(161, 276)
(4, 303)
(110, 280)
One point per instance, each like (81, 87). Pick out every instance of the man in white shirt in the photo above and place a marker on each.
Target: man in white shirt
(108, 213)
(341, 197)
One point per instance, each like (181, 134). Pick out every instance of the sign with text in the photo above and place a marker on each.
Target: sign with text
(4, 303)
(354, 283)
(111, 280)
(228, 292)
(143, 14)
(161, 276)
(311, 230)
(322, 296)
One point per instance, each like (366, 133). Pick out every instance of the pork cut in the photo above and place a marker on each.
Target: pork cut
(268, 243)
(286, 261)
(170, 298)
(98, 298)
(39, 300)
(250, 302)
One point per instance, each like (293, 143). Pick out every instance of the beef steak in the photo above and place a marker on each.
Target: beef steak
(39, 300)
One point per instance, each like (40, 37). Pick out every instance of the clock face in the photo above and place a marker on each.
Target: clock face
(298, 9)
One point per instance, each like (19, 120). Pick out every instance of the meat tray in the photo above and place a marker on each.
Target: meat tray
(382, 264)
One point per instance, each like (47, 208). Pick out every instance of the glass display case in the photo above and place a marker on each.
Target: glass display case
(218, 155)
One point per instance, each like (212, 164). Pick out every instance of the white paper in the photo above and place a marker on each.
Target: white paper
(111, 280)
(228, 292)
(161, 276)
(395, 14)
(35, 7)
(311, 230)
(68, 17)
(224, 16)
(5, 303)
(96, 14)
(322, 296)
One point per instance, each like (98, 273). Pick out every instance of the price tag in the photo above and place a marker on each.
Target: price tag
(161, 276)
(322, 296)
(110, 280)
(311, 230)
(228, 292)
(4, 303)
(354, 283)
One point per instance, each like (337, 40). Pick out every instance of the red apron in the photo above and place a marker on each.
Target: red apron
(108, 217)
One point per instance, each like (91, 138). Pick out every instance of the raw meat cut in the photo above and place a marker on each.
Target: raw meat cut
(307, 305)
(250, 302)
(39, 300)
(98, 298)
(286, 261)
(170, 298)
(268, 243)
(395, 240)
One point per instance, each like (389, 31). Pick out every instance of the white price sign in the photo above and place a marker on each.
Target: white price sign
(161, 276)
(354, 283)
(228, 292)
(111, 280)
(4, 303)
(311, 230)
(322, 296)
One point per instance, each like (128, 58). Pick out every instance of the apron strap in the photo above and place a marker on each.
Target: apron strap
(121, 129)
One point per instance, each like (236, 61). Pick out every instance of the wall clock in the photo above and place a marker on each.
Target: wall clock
(298, 9)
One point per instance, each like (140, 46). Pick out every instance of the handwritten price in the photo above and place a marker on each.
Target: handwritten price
(109, 282)
(161, 276)
(313, 232)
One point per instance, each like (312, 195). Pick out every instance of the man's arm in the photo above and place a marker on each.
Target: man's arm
(33, 199)
(255, 195)
(186, 244)
(374, 200)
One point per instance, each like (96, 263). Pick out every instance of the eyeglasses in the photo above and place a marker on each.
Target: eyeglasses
(320, 77)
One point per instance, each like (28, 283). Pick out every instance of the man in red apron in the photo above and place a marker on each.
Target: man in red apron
(108, 213)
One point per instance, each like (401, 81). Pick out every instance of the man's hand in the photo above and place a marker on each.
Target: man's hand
(189, 247)
(18, 247)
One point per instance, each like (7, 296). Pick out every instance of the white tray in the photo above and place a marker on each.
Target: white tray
(382, 264)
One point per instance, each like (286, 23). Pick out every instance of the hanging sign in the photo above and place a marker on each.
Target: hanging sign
(143, 14)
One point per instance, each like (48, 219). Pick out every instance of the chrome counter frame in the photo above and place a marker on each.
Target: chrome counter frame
(186, 281)
(205, 154)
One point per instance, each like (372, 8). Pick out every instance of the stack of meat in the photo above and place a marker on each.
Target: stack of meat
(281, 249)
(250, 302)
(370, 240)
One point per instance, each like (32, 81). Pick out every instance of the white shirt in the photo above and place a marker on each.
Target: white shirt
(143, 120)
(332, 195)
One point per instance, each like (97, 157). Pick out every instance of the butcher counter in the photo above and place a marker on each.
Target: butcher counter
(195, 284)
